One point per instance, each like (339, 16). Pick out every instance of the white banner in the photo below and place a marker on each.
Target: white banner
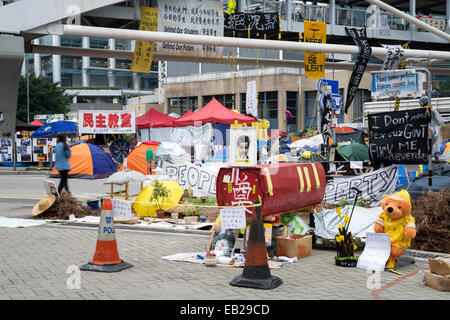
(394, 55)
(201, 179)
(314, 141)
(373, 186)
(376, 251)
(251, 104)
(185, 136)
(108, 122)
(395, 83)
(191, 17)
(232, 218)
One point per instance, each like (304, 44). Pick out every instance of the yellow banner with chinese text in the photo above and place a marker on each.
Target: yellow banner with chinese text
(143, 52)
(315, 31)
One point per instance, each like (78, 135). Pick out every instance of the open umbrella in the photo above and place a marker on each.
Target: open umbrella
(53, 128)
(119, 149)
(354, 152)
(142, 204)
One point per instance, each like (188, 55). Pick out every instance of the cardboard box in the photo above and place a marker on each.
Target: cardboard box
(440, 266)
(438, 282)
(299, 247)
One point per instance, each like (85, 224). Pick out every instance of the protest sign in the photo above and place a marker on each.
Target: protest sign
(398, 83)
(121, 208)
(202, 180)
(243, 145)
(315, 31)
(376, 251)
(373, 186)
(143, 52)
(190, 17)
(364, 51)
(399, 137)
(255, 22)
(394, 55)
(232, 218)
(251, 104)
(106, 122)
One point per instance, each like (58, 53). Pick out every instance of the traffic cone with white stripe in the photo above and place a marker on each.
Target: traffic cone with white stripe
(256, 272)
(106, 257)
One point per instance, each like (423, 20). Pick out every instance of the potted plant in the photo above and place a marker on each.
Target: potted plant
(345, 246)
(190, 217)
(159, 194)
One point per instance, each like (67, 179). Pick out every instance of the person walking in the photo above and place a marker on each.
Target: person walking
(62, 156)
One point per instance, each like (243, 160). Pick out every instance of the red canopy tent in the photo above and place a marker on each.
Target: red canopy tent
(214, 111)
(170, 123)
(36, 122)
(153, 119)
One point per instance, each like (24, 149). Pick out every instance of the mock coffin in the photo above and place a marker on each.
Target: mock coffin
(282, 187)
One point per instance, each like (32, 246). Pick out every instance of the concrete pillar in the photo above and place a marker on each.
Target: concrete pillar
(332, 8)
(23, 72)
(412, 12)
(447, 10)
(37, 61)
(56, 41)
(135, 75)
(12, 55)
(85, 64)
(300, 105)
(281, 109)
(111, 64)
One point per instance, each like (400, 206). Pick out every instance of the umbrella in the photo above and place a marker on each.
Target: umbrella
(288, 113)
(53, 128)
(119, 149)
(142, 204)
(354, 152)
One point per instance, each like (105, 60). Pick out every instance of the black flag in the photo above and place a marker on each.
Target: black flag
(360, 39)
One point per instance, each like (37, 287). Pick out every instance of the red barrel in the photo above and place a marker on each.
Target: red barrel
(282, 187)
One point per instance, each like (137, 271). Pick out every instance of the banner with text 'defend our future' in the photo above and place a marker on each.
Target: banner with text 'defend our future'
(315, 31)
(191, 17)
(399, 137)
(143, 52)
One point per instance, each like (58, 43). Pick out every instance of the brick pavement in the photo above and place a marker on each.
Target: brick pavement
(34, 260)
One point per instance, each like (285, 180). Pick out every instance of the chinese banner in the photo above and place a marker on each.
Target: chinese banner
(191, 17)
(143, 52)
(255, 22)
(315, 31)
(108, 122)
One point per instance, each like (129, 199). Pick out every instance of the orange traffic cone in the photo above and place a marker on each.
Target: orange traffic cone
(256, 272)
(106, 257)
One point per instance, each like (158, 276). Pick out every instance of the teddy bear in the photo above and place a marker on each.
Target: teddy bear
(396, 220)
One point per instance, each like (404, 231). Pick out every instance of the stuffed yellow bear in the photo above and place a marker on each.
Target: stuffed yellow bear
(396, 220)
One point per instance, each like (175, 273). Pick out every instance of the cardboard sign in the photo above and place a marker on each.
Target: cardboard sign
(143, 52)
(232, 218)
(50, 187)
(315, 31)
(399, 137)
(106, 122)
(376, 251)
(121, 208)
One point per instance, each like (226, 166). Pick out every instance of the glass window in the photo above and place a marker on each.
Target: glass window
(226, 99)
(310, 110)
(362, 96)
(291, 106)
(267, 107)
(182, 105)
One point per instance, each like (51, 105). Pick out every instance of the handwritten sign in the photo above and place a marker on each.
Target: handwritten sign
(121, 208)
(251, 104)
(399, 137)
(399, 84)
(232, 218)
(376, 251)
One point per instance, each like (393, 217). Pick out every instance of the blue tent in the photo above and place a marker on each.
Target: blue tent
(53, 128)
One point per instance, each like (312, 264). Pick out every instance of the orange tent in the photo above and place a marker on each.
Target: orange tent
(345, 129)
(136, 158)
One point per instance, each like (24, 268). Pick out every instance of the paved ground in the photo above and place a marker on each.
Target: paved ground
(34, 262)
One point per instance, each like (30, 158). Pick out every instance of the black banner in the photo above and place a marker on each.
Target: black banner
(359, 37)
(325, 124)
(263, 23)
(399, 137)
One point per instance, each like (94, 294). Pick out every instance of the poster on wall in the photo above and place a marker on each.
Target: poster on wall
(6, 150)
(243, 145)
(399, 137)
(40, 149)
(191, 17)
(24, 150)
(106, 122)
(315, 31)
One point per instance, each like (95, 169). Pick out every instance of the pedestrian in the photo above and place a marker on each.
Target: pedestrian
(62, 156)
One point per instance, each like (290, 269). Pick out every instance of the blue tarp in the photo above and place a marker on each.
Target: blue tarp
(53, 128)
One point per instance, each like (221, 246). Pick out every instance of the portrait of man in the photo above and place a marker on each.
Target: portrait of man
(243, 147)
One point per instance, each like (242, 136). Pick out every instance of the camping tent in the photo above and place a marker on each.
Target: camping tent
(213, 111)
(36, 122)
(88, 161)
(136, 160)
(153, 119)
(53, 128)
(170, 122)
